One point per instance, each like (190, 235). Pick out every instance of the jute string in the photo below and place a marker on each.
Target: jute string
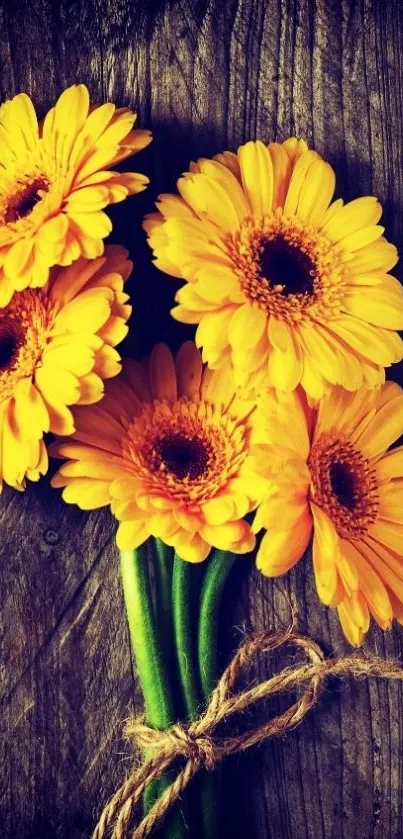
(200, 743)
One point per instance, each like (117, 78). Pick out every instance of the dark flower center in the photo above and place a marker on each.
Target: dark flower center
(23, 202)
(283, 264)
(344, 484)
(9, 345)
(186, 458)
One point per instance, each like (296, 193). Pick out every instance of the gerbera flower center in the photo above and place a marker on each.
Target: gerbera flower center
(23, 201)
(24, 328)
(287, 268)
(182, 456)
(344, 485)
(186, 451)
(283, 264)
(9, 342)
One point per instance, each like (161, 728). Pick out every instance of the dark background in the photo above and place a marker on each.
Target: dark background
(204, 76)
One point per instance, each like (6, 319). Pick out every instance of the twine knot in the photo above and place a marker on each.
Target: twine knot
(197, 748)
(180, 740)
(201, 743)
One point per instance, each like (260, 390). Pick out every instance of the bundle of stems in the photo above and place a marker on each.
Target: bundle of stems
(173, 619)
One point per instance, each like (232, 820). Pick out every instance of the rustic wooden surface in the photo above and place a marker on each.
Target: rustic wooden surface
(204, 76)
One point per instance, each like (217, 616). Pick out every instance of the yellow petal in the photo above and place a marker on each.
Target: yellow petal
(257, 176)
(281, 173)
(75, 356)
(326, 556)
(71, 109)
(107, 362)
(212, 334)
(15, 451)
(384, 429)
(282, 512)
(353, 217)
(372, 587)
(316, 192)
(22, 113)
(312, 381)
(131, 534)
(285, 369)
(218, 511)
(379, 256)
(280, 550)
(381, 308)
(224, 536)
(217, 387)
(386, 564)
(60, 417)
(87, 312)
(390, 465)
(42, 464)
(209, 200)
(389, 534)
(195, 549)
(52, 232)
(162, 373)
(18, 256)
(91, 389)
(31, 415)
(299, 174)
(229, 182)
(188, 370)
(294, 148)
(96, 225)
(87, 199)
(320, 351)
(354, 618)
(347, 568)
(58, 385)
(87, 493)
(378, 345)
(103, 469)
(114, 330)
(361, 238)
(247, 325)
(124, 488)
(279, 334)
(98, 120)
(231, 161)
(135, 376)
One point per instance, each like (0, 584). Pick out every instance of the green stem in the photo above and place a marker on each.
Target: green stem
(163, 611)
(144, 639)
(150, 663)
(185, 597)
(184, 636)
(214, 581)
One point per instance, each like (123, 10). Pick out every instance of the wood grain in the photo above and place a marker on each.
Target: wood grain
(204, 75)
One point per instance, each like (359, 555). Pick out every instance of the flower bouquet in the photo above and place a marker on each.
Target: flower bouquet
(275, 428)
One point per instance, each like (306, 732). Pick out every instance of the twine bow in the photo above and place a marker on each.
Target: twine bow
(200, 744)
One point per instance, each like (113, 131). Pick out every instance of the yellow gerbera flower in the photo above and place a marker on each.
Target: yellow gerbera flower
(284, 284)
(169, 449)
(56, 347)
(55, 180)
(332, 474)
